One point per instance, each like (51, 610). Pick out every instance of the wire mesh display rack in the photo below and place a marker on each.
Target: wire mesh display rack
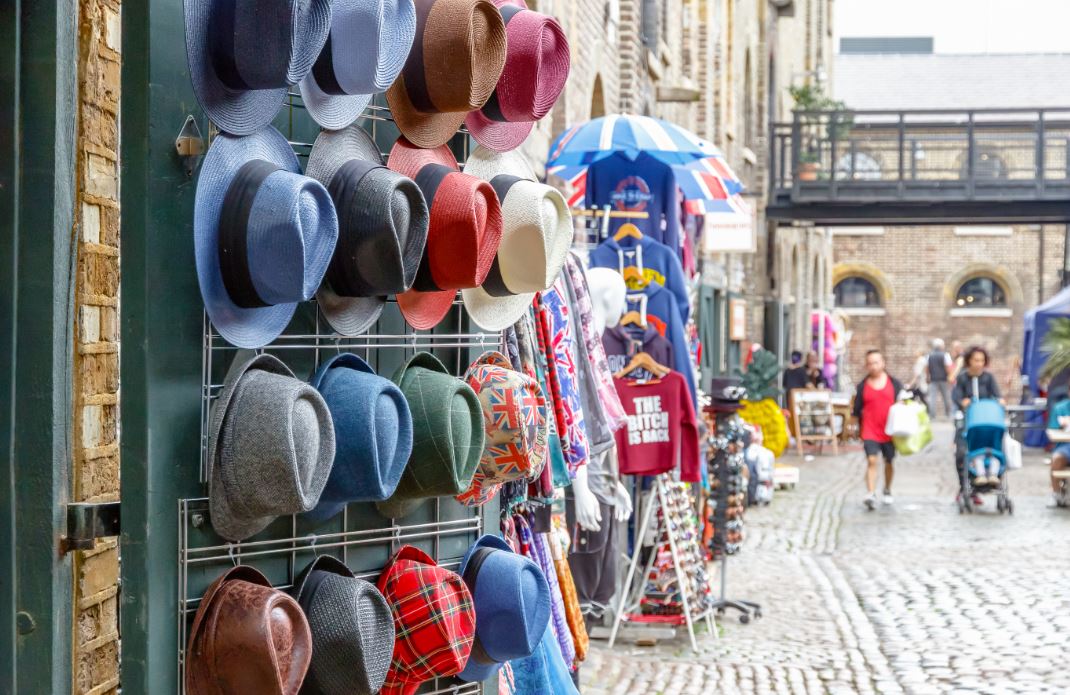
(360, 537)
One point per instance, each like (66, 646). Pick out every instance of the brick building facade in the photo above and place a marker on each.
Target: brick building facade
(917, 273)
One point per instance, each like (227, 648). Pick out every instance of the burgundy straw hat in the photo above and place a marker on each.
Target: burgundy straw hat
(455, 62)
(462, 238)
(537, 64)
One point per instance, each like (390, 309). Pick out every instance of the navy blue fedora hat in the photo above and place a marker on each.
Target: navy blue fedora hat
(263, 236)
(372, 432)
(512, 602)
(244, 54)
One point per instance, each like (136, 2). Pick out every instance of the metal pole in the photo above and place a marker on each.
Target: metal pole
(1040, 268)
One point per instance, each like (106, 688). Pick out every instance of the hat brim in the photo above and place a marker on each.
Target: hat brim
(245, 328)
(496, 135)
(332, 111)
(495, 313)
(225, 522)
(238, 112)
(486, 163)
(425, 130)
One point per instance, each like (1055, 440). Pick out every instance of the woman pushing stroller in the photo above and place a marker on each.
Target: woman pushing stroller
(975, 383)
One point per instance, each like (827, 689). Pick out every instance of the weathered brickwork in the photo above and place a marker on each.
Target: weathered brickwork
(96, 351)
(918, 271)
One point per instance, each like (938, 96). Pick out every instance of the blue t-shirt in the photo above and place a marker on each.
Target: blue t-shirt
(1060, 409)
(645, 185)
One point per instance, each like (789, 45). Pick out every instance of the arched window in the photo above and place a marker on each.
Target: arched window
(980, 293)
(856, 293)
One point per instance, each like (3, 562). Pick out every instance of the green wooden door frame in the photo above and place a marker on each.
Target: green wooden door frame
(38, 110)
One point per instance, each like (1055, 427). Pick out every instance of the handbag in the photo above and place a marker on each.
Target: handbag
(1012, 452)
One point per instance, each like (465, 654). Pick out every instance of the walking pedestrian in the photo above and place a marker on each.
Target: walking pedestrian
(874, 397)
(919, 381)
(973, 381)
(938, 372)
(957, 360)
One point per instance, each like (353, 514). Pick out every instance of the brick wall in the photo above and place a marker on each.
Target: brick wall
(96, 351)
(919, 271)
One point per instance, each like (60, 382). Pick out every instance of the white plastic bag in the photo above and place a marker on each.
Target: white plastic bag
(1012, 452)
(903, 419)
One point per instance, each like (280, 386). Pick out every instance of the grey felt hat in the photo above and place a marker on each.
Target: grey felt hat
(382, 228)
(244, 54)
(352, 630)
(270, 449)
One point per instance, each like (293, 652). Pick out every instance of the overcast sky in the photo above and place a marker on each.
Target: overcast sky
(962, 26)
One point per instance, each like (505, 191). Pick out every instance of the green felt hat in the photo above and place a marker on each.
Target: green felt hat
(447, 435)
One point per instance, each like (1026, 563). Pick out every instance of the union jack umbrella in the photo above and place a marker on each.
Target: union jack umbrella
(586, 143)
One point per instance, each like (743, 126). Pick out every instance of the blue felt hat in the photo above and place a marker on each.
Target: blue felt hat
(263, 236)
(372, 431)
(512, 602)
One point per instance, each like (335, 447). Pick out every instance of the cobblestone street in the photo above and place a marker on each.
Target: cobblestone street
(912, 598)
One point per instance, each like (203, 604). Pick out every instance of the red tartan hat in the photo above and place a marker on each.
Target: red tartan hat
(434, 620)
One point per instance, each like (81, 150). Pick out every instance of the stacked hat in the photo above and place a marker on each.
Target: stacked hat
(727, 394)
(536, 236)
(366, 49)
(537, 64)
(382, 230)
(515, 423)
(372, 432)
(263, 235)
(447, 438)
(244, 54)
(454, 65)
(352, 630)
(512, 603)
(247, 638)
(463, 236)
(433, 617)
(270, 450)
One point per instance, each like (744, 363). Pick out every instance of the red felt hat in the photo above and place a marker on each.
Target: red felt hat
(537, 65)
(462, 238)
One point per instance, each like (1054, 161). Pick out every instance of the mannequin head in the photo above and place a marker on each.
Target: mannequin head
(607, 297)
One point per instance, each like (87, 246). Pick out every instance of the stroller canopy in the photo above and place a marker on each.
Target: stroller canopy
(1037, 321)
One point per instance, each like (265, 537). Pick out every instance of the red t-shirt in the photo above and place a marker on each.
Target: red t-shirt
(875, 406)
(662, 430)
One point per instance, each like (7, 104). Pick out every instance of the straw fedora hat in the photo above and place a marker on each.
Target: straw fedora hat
(512, 603)
(537, 65)
(463, 235)
(270, 448)
(455, 62)
(536, 236)
(382, 229)
(373, 433)
(263, 236)
(352, 630)
(247, 638)
(368, 45)
(244, 54)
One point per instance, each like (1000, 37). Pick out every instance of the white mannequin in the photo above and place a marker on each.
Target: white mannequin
(607, 297)
(608, 302)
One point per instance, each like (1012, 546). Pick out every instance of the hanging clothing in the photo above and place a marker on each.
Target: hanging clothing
(659, 309)
(662, 431)
(655, 262)
(622, 343)
(558, 345)
(644, 184)
(535, 548)
(576, 624)
(544, 672)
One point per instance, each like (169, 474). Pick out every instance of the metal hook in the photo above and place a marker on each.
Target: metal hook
(232, 553)
(395, 539)
(312, 540)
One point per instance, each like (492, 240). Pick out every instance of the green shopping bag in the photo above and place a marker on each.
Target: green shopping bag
(907, 446)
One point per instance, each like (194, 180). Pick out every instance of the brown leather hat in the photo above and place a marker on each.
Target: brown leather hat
(454, 65)
(247, 638)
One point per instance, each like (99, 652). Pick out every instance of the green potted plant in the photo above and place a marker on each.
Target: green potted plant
(822, 112)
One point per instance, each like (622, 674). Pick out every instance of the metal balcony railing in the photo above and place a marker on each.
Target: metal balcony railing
(931, 156)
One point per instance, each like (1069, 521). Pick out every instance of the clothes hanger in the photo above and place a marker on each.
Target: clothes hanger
(628, 230)
(644, 360)
(632, 317)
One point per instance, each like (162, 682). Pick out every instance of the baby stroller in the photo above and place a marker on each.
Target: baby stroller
(983, 431)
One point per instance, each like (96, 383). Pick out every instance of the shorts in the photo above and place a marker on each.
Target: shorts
(873, 448)
(1062, 450)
